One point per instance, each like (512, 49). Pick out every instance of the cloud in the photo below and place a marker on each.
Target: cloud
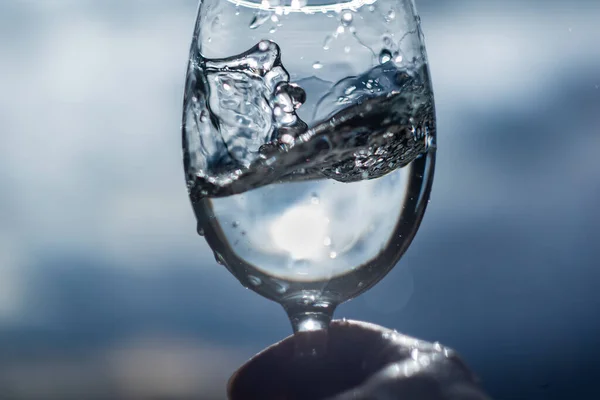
(91, 135)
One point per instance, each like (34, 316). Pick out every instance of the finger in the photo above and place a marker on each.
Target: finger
(427, 376)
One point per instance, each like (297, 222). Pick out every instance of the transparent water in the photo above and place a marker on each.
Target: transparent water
(308, 182)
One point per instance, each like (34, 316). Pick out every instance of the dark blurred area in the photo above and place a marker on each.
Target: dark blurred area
(106, 291)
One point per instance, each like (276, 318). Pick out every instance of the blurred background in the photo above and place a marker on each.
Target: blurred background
(106, 291)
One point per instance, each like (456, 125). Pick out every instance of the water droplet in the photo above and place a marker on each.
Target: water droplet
(360, 284)
(390, 16)
(263, 45)
(347, 18)
(273, 30)
(314, 198)
(235, 224)
(333, 255)
(327, 241)
(371, 8)
(317, 65)
(347, 49)
(226, 86)
(398, 59)
(437, 346)
(254, 280)
(384, 56)
(280, 287)
(340, 29)
(200, 230)
(237, 10)
(219, 258)
(204, 116)
(259, 19)
(274, 18)
(327, 42)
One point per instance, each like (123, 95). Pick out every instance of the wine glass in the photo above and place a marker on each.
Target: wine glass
(309, 144)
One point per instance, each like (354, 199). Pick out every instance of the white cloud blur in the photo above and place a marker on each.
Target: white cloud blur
(142, 368)
(91, 140)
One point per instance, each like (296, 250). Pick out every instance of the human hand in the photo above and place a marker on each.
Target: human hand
(362, 361)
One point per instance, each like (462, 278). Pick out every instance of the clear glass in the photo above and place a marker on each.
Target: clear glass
(309, 144)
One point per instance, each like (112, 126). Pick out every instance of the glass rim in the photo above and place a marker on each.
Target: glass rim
(296, 6)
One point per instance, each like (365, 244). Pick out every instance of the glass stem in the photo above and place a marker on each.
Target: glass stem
(310, 321)
(310, 326)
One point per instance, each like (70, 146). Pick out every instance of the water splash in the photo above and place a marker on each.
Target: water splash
(241, 130)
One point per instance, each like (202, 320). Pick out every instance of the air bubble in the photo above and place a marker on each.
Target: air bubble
(384, 56)
(327, 241)
(314, 198)
(390, 16)
(347, 18)
(333, 255)
(388, 41)
(263, 45)
(317, 65)
(235, 224)
(347, 49)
